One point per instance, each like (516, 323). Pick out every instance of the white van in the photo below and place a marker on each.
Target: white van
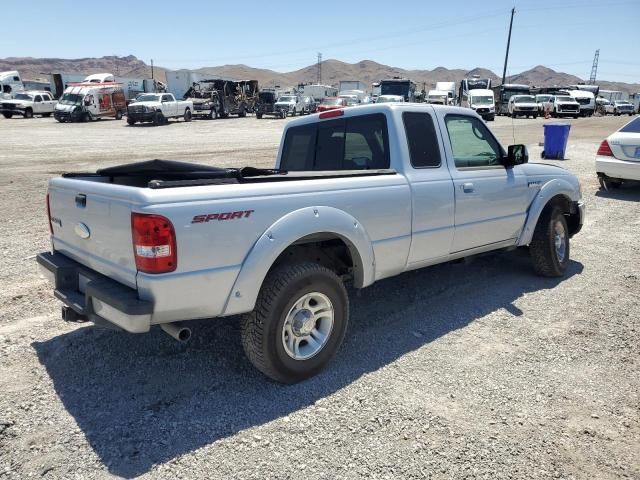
(82, 102)
(587, 101)
(483, 102)
(438, 96)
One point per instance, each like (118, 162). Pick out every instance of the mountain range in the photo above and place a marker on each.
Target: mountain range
(333, 71)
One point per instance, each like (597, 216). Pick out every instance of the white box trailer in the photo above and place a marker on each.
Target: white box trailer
(351, 85)
(319, 91)
(449, 87)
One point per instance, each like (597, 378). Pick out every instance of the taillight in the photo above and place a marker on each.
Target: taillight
(154, 243)
(605, 149)
(331, 114)
(49, 215)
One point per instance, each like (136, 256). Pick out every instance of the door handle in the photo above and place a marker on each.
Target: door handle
(467, 187)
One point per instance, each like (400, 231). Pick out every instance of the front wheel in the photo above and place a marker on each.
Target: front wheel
(131, 121)
(187, 115)
(158, 119)
(549, 247)
(28, 113)
(7, 115)
(298, 324)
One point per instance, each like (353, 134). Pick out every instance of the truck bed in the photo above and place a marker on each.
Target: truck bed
(171, 174)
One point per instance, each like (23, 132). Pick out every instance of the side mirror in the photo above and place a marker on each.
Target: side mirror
(516, 155)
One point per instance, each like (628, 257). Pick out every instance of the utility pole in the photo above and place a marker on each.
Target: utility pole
(152, 69)
(506, 57)
(594, 68)
(319, 76)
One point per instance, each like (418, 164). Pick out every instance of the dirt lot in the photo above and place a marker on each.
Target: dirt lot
(478, 370)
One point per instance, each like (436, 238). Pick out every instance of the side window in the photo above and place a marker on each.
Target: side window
(471, 143)
(421, 139)
(166, 98)
(37, 99)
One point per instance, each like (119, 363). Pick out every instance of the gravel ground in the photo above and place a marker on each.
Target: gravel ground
(475, 370)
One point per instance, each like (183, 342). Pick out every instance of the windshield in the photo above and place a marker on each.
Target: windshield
(482, 100)
(525, 99)
(632, 127)
(148, 98)
(333, 101)
(23, 96)
(287, 99)
(394, 89)
(564, 99)
(543, 98)
(266, 96)
(71, 99)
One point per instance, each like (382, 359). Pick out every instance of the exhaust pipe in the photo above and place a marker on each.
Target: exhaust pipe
(177, 331)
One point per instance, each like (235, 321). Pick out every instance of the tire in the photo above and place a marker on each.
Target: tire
(187, 115)
(28, 113)
(84, 118)
(549, 254)
(7, 115)
(213, 114)
(119, 115)
(242, 113)
(608, 184)
(158, 119)
(131, 121)
(293, 114)
(258, 116)
(575, 117)
(265, 337)
(283, 115)
(535, 116)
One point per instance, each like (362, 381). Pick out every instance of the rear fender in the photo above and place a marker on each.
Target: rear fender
(288, 230)
(557, 186)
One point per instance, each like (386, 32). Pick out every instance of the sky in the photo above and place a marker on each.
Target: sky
(286, 36)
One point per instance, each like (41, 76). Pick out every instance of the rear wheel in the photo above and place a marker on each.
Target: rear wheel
(119, 115)
(7, 115)
(28, 113)
(298, 324)
(187, 115)
(549, 247)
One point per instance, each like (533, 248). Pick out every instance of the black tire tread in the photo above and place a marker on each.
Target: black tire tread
(541, 253)
(252, 324)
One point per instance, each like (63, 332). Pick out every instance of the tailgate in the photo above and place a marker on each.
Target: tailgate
(92, 228)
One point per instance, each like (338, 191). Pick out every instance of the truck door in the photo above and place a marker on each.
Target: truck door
(169, 106)
(490, 200)
(432, 195)
(38, 106)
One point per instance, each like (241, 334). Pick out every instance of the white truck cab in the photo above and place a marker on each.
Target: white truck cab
(523, 106)
(587, 101)
(439, 97)
(10, 84)
(28, 104)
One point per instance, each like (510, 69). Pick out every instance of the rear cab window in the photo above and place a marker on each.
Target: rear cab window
(356, 143)
(422, 140)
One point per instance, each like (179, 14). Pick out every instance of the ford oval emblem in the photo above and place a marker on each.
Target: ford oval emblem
(82, 230)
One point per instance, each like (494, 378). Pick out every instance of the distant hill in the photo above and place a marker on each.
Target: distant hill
(333, 71)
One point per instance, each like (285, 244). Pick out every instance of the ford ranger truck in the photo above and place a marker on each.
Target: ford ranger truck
(356, 195)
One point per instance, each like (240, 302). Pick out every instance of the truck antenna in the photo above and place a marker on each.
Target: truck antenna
(506, 57)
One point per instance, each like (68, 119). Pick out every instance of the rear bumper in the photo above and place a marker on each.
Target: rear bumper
(615, 168)
(94, 297)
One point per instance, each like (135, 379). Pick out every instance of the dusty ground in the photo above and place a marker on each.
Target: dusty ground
(478, 370)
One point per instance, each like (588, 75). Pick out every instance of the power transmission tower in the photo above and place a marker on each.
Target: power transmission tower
(319, 78)
(594, 68)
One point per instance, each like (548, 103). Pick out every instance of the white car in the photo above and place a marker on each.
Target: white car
(618, 158)
(28, 104)
(390, 99)
(523, 105)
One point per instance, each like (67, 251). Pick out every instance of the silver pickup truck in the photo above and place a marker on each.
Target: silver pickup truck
(356, 195)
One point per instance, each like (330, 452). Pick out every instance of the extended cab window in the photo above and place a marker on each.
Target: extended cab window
(357, 143)
(472, 144)
(38, 98)
(421, 139)
(166, 98)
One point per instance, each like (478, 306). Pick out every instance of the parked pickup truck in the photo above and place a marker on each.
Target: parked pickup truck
(28, 104)
(158, 108)
(357, 195)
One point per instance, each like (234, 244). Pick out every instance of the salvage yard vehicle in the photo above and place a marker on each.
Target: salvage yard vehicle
(331, 103)
(28, 104)
(618, 107)
(618, 157)
(587, 101)
(310, 105)
(266, 104)
(158, 108)
(84, 102)
(356, 195)
(390, 99)
(523, 106)
(482, 101)
(564, 106)
(225, 96)
(289, 105)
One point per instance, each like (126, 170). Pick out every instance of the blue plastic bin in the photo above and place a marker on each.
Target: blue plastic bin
(556, 136)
